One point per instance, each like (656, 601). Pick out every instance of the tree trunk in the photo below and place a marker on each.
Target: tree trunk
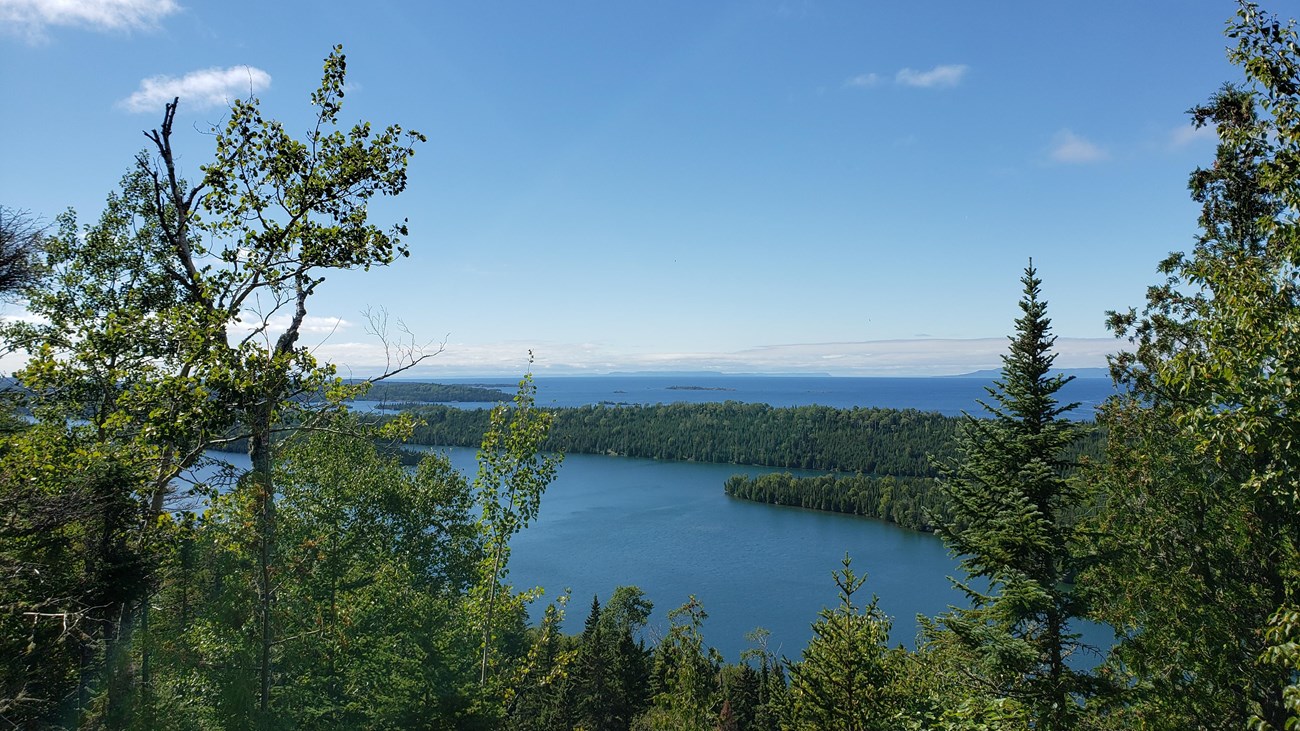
(259, 453)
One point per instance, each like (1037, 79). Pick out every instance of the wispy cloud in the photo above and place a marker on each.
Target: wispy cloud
(863, 358)
(1069, 148)
(863, 80)
(937, 77)
(312, 325)
(1189, 134)
(199, 89)
(32, 18)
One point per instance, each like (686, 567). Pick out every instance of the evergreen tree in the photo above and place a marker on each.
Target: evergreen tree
(684, 675)
(1007, 498)
(843, 680)
(540, 698)
(624, 615)
(772, 688)
(740, 690)
(592, 681)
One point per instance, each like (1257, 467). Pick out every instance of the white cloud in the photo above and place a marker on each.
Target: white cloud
(937, 77)
(865, 358)
(198, 89)
(1189, 134)
(1067, 147)
(360, 357)
(315, 332)
(863, 80)
(31, 18)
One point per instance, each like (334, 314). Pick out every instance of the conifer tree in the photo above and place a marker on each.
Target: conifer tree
(622, 617)
(592, 681)
(1008, 496)
(684, 674)
(843, 680)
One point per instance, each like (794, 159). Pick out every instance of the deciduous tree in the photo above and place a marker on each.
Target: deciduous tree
(173, 324)
(1200, 542)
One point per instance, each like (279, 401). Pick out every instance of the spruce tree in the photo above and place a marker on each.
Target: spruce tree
(843, 680)
(592, 682)
(1009, 498)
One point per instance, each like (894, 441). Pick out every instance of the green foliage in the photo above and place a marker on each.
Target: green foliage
(844, 678)
(70, 564)
(1208, 444)
(141, 313)
(138, 345)
(683, 678)
(374, 566)
(408, 394)
(1009, 498)
(871, 441)
(513, 473)
(911, 502)
(539, 698)
(599, 680)
(1182, 569)
(382, 560)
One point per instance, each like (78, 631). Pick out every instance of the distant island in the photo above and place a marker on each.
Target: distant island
(699, 388)
(714, 374)
(989, 373)
(411, 392)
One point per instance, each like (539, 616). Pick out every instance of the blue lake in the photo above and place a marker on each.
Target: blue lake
(669, 528)
(949, 396)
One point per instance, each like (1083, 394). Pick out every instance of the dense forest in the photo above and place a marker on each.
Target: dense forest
(872, 441)
(908, 501)
(331, 587)
(406, 392)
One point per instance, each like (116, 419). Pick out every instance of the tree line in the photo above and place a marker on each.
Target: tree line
(406, 392)
(911, 502)
(868, 440)
(887, 460)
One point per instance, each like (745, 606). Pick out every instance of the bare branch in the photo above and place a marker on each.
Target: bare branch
(21, 236)
(401, 350)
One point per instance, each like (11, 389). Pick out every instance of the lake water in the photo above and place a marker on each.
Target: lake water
(669, 528)
(948, 396)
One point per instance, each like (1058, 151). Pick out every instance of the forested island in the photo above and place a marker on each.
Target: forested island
(868, 440)
(911, 502)
(886, 460)
(405, 392)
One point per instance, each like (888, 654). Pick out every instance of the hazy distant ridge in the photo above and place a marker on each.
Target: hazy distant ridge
(1076, 372)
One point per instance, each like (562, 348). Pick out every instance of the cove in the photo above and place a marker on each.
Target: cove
(668, 528)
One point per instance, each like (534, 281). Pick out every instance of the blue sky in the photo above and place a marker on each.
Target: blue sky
(758, 186)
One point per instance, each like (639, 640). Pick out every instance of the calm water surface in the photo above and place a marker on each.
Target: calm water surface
(668, 528)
